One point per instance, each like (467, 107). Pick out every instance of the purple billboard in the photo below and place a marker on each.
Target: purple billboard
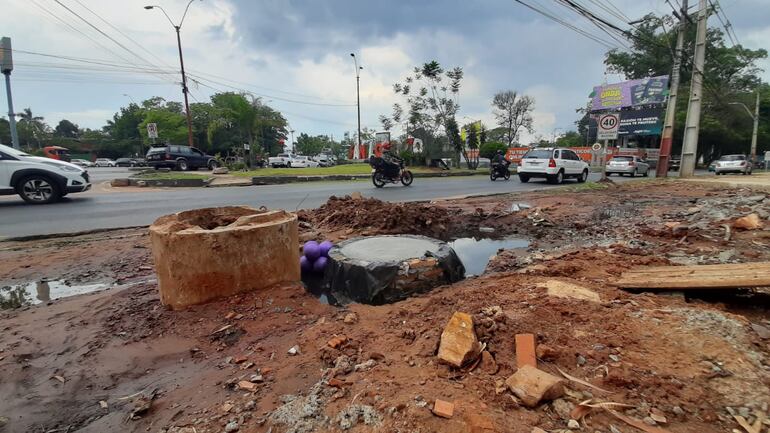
(630, 93)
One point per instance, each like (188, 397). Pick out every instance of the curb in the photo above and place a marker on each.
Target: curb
(183, 183)
(280, 180)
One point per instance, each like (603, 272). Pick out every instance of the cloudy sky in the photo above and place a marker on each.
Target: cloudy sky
(296, 54)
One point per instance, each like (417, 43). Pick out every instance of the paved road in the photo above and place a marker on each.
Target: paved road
(102, 174)
(88, 211)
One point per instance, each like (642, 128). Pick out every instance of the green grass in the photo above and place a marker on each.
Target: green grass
(171, 175)
(349, 169)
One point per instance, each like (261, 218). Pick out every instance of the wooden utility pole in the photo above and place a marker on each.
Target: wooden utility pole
(667, 137)
(692, 126)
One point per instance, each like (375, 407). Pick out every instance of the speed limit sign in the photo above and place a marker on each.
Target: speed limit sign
(608, 127)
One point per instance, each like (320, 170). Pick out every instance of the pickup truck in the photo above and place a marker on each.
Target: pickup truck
(281, 160)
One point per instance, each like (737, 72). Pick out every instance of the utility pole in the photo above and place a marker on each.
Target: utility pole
(667, 137)
(692, 126)
(6, 66)
(185, 90)
(358, 102)
(755, 132)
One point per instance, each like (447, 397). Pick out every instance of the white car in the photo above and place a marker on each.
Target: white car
(732, 164)
(281, 160)
(630, 165)
(83, 163)
(105, 162)
(303, 162)
(39, 180)
(553, 164)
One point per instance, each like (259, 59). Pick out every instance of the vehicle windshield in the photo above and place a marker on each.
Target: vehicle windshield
(11, 151)
(623, 158)
(538, 154)
(733, 158)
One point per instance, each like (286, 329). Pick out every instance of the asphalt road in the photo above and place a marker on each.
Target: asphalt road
(88, 211)
(102, 174)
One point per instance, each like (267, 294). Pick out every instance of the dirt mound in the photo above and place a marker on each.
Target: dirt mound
(378, 217)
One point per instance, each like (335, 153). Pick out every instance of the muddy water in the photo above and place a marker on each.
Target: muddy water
(42, 291)
(475, 253)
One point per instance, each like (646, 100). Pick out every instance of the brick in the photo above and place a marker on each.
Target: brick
(247, 386)
(239, 359)
(444, 409)
(337, 341)
(459, 344)
(532, 386)
(525, 350)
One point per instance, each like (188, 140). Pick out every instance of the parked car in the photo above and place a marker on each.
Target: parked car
(552, 164)
(733, 164)
(280, 160)
(104, 162)
(325, 160)
(674, 163)
(630, 165)
(760, 162)
(83, 163)
(178, 157)
(303, 162)
(130, 162)
(713, 166)
(39, 180)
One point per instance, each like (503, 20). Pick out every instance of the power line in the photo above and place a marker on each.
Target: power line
(568, 25)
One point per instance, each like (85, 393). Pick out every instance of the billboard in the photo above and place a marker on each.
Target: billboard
(630, 93)
(648, 121)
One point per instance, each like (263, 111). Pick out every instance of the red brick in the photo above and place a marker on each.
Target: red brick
(443, 409)
(525, 350)
(337, 341)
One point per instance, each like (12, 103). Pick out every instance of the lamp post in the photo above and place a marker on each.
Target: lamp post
(754, 117)
(358, 101)
(129, 97)
(178, 27)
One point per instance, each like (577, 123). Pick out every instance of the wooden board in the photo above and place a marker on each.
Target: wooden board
(730, 276)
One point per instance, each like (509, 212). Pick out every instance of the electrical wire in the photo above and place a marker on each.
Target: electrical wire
(586, 34)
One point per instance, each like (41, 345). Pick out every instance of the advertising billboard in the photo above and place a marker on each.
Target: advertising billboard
(630, 93)
(648, 121)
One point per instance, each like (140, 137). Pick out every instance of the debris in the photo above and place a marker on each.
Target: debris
(356, 195)
(649, 421)
(546, 353)
(337, 341)
(231, 426)
(758, 423)
(582, 382)
(749, 222)
(532, 386)
(572, 424)
(762, 331)
(239, 360)
(459, 344)
(59, 378)
(678, 410)
(638, 424)
(294, 350)
(336, 383)
(230, 315)
(538, 430)
(560, 289)
(486, 230)
(227, 407)
(350, 318)
(247, 386)
(563, 408)
(349, 417)
(488, 364)
(103, 404)
(365, 366)
(728, 233)
(443, 409)
(142, 404)
(256, 378)
(658, 416)
(725, 276)
(525, 350)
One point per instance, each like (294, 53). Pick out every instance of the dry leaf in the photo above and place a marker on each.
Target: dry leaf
(582, 382)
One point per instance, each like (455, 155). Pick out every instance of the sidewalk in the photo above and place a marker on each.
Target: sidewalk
(760, 179)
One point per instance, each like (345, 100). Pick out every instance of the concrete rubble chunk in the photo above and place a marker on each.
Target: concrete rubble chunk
(532, 386)
(205, 254)
(459, 344)
(560, 289)
(749, 222)
(444, 409)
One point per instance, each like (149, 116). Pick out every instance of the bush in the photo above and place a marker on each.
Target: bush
(489, 149)
(236, 166)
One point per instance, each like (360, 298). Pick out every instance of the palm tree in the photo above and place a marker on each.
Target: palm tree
(33, 125)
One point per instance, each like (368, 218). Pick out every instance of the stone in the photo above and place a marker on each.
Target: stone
(532, 386)
(256, 378)
(247, 386)
(239, 359)
(459, 344)
(488, 364)
(614, 358)
(573, 424)
(444, 409)
(563, 408)
(294, 351)
(560, 289)
(749, 222)
(120, 182)
(538, 430)
(546, 353)
(649, 421)
(351, 318)
(205, 254)
(762, 331)
(336, 341)
(227, 407)
(581, 360)
(220, 170)
(232, 426)
(525, 350)
(678, 410)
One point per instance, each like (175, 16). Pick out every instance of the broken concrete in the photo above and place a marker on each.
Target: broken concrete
(532, 386)
(459, 344)
(212, 253)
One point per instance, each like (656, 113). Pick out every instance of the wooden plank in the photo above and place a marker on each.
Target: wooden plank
(728, 276)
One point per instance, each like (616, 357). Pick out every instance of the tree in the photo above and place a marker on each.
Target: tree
(172, 127)
(489, 149)
(513, 113)
(66, 129)
(125, 124)
(570, 139)
(312, 145)
(5, 131)
(31, 129)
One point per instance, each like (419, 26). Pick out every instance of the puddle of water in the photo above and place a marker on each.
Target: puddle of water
(42, 291)
(475, 253)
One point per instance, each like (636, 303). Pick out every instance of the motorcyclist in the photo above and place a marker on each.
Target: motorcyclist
(392, 161)
(500, 160)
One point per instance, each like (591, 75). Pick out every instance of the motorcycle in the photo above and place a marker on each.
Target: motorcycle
(380, 176)
(499, 171)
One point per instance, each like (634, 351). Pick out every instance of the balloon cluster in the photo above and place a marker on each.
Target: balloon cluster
(315, 256)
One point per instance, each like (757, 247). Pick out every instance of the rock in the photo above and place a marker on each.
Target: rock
(488, 364)
(486, 230)
(744, 412)
(546, 353)
(337, 341)
(649, 421)
(563, 408)
(365, 366)
(532, 386)
(247, 386)
(574, 425)
(614, 429)
(658, 415)
(614, 358)
(350, 416)
(459, 344)
(538, 430)
(220, 170)
(120, 182)
(294, 350)
(561, 289)
(251, 405)
(351, 318)
(678, 411)
(762, 331)
(581, 360)
(256, 378)
(749, 222)
(443, 409)
(232, 426)
(227, 407)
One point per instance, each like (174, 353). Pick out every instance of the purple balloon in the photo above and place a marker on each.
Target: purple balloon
(305, 264)
(311, 250)
(325, 247)
(320, 264)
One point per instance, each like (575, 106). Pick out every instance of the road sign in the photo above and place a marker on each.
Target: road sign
(608, 127)
(596, 147)
(152, 130)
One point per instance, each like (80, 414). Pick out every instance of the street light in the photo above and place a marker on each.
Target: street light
(755, 118)
(177, 27)
(129, 97)
(358, 101)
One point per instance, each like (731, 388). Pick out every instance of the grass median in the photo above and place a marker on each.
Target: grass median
(344, 169)
(159, 175)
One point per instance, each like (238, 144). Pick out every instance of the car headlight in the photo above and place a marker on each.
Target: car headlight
(70, 169)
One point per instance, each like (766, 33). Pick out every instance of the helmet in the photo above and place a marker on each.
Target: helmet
(499, 152)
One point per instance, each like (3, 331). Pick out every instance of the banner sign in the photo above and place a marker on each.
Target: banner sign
(630, 93)
(648, 121)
